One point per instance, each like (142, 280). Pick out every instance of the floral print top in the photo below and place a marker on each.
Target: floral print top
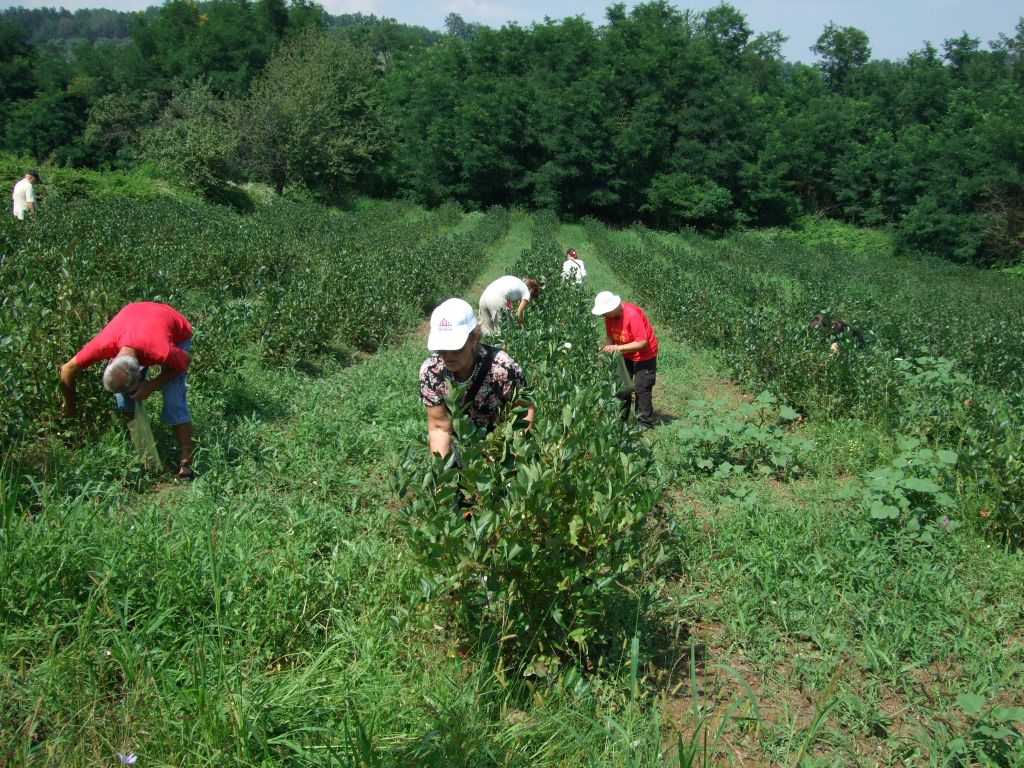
(500, 385)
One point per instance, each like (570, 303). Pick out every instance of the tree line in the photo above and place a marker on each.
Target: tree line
(676, 118)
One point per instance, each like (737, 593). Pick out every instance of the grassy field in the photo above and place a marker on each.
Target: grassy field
(253, 618)
(853, 647)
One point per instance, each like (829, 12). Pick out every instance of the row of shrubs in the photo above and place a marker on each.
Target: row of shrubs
(288, 283)
(938, 357)
(557, 560)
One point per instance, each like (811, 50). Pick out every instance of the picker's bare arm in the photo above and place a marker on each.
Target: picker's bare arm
(439, 429)
(531, 412)
(521, 309)
(146, 388)
(632, 346)
(68, 372)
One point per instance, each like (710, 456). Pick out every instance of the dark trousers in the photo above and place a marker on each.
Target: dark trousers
(644, 374)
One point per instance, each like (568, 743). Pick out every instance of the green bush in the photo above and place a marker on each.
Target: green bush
(193, 142)
(754, 437)
(861, 243)
(556, 560)
(298, 282)
(930, 227)
(935, 399)
(911, 497)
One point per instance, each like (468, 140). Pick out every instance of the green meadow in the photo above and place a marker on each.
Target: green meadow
(814, 559)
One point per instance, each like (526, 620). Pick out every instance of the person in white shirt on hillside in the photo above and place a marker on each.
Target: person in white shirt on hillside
(502, 295)
(572, 267)
(25, 195)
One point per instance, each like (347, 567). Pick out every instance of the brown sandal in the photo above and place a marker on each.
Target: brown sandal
(185, 473)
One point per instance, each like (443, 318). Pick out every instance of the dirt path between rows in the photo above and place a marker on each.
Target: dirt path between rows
(694, 707)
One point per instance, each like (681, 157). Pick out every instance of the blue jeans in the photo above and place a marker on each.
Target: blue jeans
(175, 410)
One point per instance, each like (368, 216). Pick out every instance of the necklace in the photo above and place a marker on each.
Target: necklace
(472, 374)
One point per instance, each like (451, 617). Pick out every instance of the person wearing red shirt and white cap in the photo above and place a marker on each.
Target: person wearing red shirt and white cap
(630, 333)
(141, 335)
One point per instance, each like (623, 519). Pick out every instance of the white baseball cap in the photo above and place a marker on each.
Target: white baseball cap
(605, 302)
(450, 325)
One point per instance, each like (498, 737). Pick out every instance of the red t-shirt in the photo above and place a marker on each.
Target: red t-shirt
(153, 330)
(632, 326)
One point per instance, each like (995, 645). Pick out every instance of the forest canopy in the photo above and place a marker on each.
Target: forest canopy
(676, 118)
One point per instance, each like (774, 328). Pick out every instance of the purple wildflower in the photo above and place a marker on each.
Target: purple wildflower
(128, 759)
(945, 522)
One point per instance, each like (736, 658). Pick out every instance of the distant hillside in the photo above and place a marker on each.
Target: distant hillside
(64, 28)
(348, 20)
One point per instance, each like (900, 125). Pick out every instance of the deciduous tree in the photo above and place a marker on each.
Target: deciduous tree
(192, 140)
(843, 51)
(313, 116)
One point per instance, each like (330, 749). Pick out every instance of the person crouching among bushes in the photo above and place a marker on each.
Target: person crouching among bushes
(506, 293)
(492, 378)
(141, 335)
(835, 328)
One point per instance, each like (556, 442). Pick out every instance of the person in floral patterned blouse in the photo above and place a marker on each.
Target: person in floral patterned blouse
(459, 356)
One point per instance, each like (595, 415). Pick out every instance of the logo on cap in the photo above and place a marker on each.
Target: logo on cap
(444, 325)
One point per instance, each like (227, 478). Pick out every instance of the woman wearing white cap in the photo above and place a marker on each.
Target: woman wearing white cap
(630, 333)
(506, 293)
(490, 376)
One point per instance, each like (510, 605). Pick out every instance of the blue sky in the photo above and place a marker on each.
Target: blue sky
(894, 27)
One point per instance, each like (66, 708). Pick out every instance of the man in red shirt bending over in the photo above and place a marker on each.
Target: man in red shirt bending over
(629, 332)
(141, 335)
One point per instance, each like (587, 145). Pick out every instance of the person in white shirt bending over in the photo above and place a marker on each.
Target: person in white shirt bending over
(572, 267)
(503, 294)
(25, 195)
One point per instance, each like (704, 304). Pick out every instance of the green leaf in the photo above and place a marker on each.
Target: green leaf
(956, 746)
(995, 733)
(575, 525)
(788, 414)
(920, 484)
(880, 511)
(578, 635)
(970, 703)
(1008, 714)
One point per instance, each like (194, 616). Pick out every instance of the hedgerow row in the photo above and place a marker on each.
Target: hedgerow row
(941, 360)
(557, 562)
(287, 283)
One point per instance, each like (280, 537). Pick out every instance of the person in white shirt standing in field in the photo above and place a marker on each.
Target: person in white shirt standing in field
(25, 195)
(572, 267)
(506, 293)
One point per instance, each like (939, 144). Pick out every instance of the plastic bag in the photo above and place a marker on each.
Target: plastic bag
(143, 440)
(622, 374)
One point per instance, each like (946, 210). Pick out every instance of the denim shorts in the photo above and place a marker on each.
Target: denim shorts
(175, 410)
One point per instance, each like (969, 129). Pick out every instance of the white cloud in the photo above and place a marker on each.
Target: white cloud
(337, 7)
(479, 11)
